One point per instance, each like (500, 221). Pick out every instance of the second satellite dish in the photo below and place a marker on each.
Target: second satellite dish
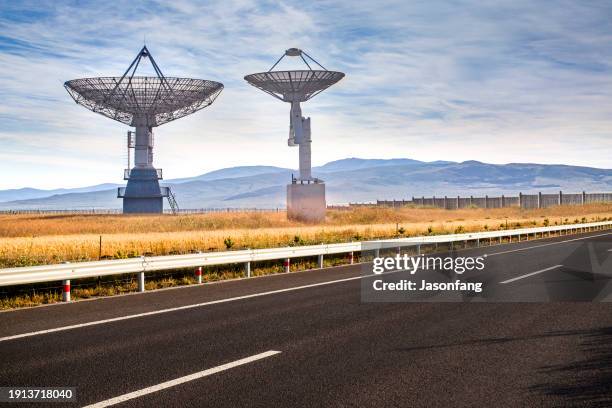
(305, 195)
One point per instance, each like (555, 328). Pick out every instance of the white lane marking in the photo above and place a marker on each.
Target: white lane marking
(181, 380)
(174, 309)
(532, 273)
(543, 245)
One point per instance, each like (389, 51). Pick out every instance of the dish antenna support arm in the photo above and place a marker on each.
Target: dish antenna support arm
(299, 135)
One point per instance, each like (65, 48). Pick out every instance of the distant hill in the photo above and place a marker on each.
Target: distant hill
(30, 193)
(348, 180)
(231, 172)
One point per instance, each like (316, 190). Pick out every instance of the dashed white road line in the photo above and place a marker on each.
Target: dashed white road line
(181, 380)
(532, 273)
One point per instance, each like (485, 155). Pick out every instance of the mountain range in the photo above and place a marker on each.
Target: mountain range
(347, 180)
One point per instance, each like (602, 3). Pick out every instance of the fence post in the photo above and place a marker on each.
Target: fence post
(503, 201)
(471, 201)
(583, 198)
(539, 199)
(198, 274)
(445, 206)
(287, 265)
(458, 202)
(66, 290)
(520, 200)
(560, 197)
(321, 261)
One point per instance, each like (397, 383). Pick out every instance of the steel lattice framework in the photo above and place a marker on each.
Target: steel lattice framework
(287, 85)
(295, 85)
(157, 99)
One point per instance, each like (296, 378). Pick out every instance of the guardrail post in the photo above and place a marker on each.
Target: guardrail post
(287, 265)
(419, 249)
(66, 290)
(141, 282)
(351, 258)
(247, 269)
(198, 274)
(320, 261)
(477, 242)
(377, 253)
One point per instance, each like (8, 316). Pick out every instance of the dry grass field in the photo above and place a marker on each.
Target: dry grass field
(38, 239)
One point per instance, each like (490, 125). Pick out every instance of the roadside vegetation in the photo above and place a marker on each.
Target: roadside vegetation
(27, 240)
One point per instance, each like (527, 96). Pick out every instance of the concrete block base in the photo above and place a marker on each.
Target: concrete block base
(306, 202)
(142, 193)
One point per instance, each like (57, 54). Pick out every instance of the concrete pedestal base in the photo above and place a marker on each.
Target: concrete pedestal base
(306, 202)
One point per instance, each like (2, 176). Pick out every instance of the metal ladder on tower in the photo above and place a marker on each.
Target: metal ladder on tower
(172, 201)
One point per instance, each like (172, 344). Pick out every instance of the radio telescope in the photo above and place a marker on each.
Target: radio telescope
(143, 102)
(305, 194)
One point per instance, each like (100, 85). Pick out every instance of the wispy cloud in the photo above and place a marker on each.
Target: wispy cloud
(506, 82)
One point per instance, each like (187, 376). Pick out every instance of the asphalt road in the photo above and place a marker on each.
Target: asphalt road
(321, 345)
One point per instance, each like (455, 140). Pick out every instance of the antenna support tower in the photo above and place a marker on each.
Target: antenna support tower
(305, 194)
(143, 102)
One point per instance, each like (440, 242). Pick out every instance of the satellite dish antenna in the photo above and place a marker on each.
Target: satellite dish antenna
(143, 102)
(295, 87)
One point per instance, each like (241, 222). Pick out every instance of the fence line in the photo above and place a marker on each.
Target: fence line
(538, 200)
(119, 211)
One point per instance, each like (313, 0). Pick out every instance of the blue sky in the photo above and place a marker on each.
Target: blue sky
(431, 80)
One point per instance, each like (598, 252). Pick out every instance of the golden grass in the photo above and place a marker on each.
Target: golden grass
(39, 239)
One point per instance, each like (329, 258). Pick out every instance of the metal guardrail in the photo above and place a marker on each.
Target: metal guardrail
(67, 271)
